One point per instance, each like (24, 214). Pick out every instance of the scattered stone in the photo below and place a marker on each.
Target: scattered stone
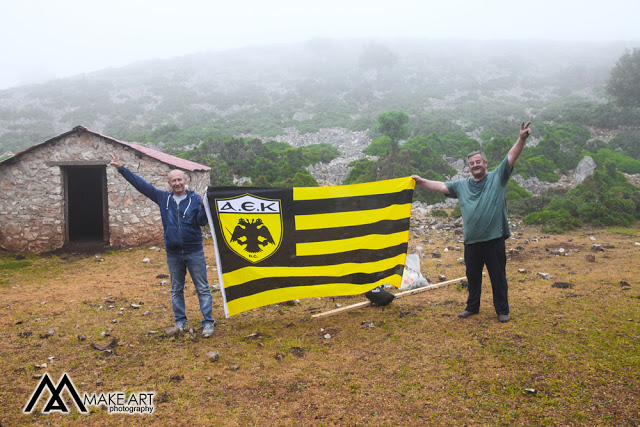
(436, 254)
(624, 284)
(592, 238)
(366, 324)
(146, 313)
(99, 259)
(82, 337)
(162, 276)
(522, 271)
(278, 357)
(558, 252)
(171, 331)
(590, 257)
(292, 303)
(597, 248)
(327, 336)
(461, 260)
(213, 356)
(112, 344)
(530, 390)
(442, 277)
(156, 332)
(253, 337)
(544, 275)
(637, 243)
(176, 378)
(36, 376)
(146, 260)
(44, 365)
(136, 305)
(99, 382)
(562, 285)
(234, 367)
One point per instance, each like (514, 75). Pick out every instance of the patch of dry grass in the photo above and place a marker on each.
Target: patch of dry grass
(569, 356)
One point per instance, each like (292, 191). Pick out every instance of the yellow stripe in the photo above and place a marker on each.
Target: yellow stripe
(285, 294)
(371, 241)
(248, 274)
(368, 188)
(346, 219)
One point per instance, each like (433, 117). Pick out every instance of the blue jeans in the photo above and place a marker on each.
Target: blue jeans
(178, 264)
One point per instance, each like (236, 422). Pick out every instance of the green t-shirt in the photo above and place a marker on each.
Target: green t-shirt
(483, 204)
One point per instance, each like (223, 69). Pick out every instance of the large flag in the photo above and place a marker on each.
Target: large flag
(279, 244)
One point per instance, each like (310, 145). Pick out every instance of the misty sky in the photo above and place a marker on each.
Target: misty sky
(44, 39)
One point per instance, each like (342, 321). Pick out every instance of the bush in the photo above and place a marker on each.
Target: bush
(553, 221)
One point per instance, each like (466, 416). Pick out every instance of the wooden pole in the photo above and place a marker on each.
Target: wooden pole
(399, 295)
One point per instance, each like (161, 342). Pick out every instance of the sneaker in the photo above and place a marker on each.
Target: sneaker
(181, 325)
(466, 314)
(503, 318)
(207, 331)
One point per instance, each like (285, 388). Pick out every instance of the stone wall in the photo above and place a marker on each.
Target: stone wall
(32, 208)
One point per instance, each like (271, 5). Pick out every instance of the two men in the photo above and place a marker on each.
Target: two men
(483, 204)
(182, 215)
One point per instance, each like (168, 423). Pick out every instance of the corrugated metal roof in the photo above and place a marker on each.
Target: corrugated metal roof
(158, 155)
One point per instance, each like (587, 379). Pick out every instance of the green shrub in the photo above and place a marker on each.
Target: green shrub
(557, 221)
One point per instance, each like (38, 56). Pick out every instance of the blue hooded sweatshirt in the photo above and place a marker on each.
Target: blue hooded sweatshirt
(181, 223)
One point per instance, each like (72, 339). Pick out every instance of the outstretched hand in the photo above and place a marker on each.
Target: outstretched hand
(115, 161)
(525, 131)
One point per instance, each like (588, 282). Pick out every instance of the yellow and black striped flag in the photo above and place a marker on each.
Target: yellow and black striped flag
(280, 244)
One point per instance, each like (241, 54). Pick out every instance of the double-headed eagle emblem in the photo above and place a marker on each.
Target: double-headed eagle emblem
(255, 234)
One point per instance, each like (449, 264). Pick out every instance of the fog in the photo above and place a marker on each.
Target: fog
(43, 39)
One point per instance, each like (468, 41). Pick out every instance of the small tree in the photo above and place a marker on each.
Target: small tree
(624, 82)
(394, 124)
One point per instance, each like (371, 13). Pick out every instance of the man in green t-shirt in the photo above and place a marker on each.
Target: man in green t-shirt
(483, 203)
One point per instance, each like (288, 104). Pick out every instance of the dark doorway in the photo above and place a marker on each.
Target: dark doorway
(86, 195)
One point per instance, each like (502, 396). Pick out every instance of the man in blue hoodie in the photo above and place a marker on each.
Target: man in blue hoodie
(182, 215)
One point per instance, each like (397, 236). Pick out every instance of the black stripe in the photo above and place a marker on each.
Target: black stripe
(267, 284)
(350, 204)
(359, 256)
(338, 233)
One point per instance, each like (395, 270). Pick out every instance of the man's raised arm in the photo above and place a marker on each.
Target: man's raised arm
(517, 148)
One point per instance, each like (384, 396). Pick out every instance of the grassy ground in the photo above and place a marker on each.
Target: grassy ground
(570, 356)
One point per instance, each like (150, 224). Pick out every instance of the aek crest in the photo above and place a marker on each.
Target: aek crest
(251, 225)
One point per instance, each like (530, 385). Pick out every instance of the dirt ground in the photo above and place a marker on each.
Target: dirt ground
(570, 356)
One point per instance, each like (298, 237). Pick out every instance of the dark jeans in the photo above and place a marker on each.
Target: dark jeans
(492, 254)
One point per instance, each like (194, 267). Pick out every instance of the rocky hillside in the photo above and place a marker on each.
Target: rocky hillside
(325, 91)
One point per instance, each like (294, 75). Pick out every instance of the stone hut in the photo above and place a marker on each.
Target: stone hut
(64, 191)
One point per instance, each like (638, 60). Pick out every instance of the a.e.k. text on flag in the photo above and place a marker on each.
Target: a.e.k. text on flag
(280, 244)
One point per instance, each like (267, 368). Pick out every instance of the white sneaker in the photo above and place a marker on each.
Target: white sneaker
(181, 325)
(207, 331)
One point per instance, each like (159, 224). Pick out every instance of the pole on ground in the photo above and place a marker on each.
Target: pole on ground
(398, 295)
